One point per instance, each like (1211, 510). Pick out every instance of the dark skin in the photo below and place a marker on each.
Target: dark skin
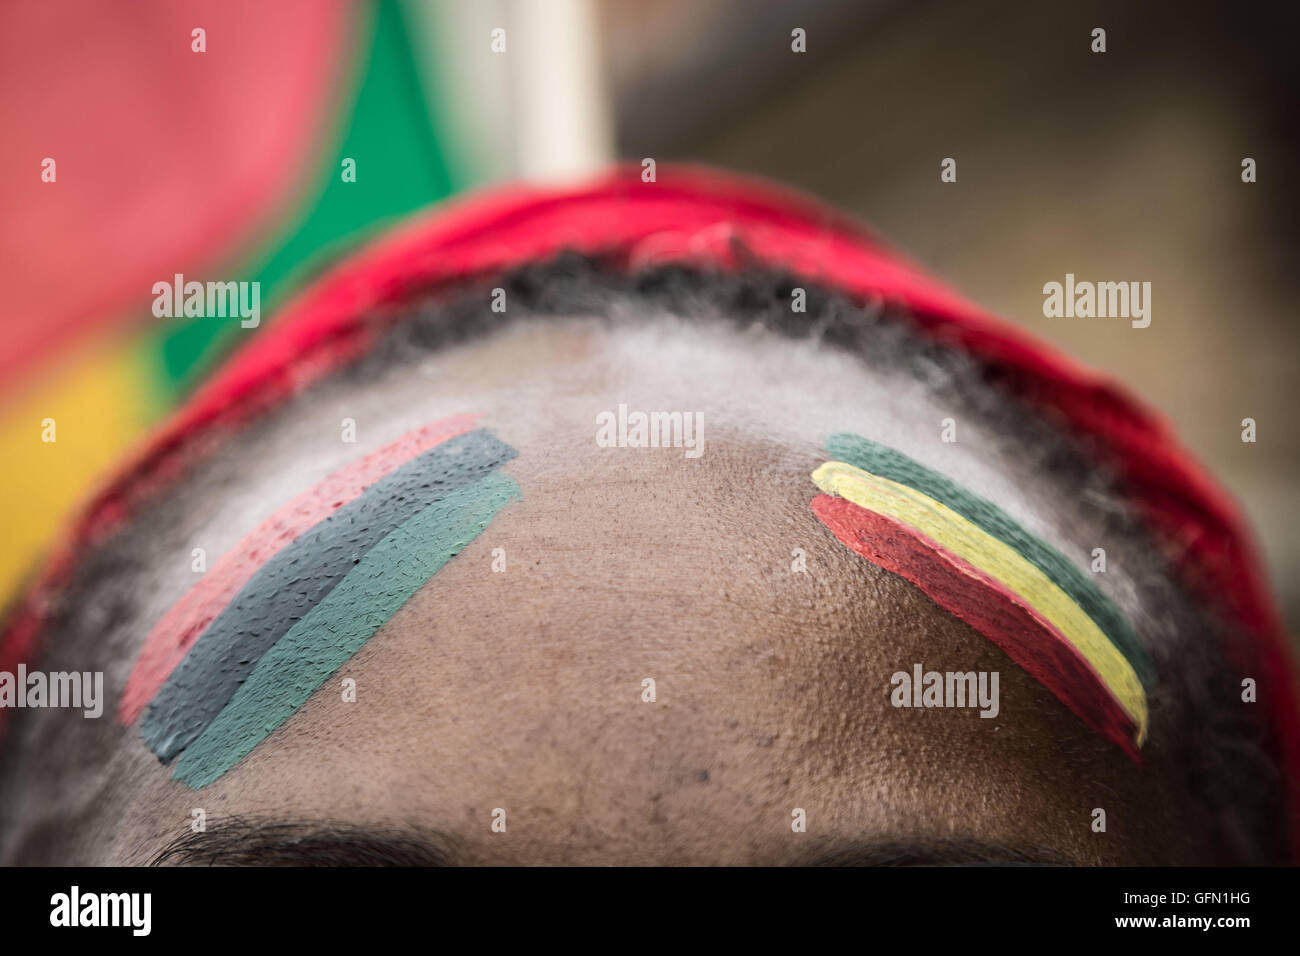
(522, 690)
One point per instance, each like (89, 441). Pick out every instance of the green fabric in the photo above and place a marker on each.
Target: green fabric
(401, 166)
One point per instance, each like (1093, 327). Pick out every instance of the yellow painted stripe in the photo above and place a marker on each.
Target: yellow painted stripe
(996, 559)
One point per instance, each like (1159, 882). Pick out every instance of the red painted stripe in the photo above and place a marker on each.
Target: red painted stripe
(180, 627)
(987, 605)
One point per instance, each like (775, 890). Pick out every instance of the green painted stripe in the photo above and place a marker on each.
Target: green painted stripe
(336, 628)
(888, 463)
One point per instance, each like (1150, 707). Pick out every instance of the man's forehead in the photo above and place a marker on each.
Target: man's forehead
(618, 558)
(759, 412)
(524, 686)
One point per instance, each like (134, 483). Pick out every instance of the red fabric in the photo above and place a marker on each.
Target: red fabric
(719, 221)
(168, 160)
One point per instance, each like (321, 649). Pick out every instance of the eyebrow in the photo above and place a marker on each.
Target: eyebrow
(959, 852)
(250, 841)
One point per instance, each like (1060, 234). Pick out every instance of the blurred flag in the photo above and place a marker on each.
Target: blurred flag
(232, 141)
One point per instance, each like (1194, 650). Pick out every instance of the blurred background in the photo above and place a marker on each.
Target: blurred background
(225, 163)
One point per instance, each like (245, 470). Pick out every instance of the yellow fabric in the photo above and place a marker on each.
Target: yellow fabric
(99, 401)
(999, 561)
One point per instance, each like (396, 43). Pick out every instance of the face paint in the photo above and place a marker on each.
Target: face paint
(178, 629)
(353, 561)
(888, 463)
(297, 578)
(996, 582)
(335, 629)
